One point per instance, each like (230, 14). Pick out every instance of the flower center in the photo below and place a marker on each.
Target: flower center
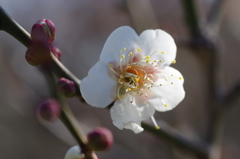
(137, 74)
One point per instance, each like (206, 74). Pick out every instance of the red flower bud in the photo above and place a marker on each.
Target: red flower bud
(49, 109)
(100, 139)
(43, 30)
(56, 51)
(38, 53)
(66, 88)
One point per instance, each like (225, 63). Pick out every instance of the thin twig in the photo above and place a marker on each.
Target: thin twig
(68, 118)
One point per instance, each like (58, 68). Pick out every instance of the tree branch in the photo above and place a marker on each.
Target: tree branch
(175, 138)
(191, 16)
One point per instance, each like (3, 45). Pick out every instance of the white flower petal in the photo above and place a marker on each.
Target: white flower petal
(170, 94)
(73, 153)
(123, 113)
(99, 87)
(160, 41)
(134, 127)
(123, 37)
(145, 109)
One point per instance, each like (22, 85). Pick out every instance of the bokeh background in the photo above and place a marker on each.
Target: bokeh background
(82, 29)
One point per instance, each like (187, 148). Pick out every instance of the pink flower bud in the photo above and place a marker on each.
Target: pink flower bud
(38, 53)
(43, 30)
(56, 51)
(66, 88)
(100, 139)
(49, 109)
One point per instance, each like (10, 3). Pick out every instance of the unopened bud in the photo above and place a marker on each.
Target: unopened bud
(73, 153)
(37, 53)
(43, 30)
(100, 139)
(66, 88)
(49, 109)
(56, 51)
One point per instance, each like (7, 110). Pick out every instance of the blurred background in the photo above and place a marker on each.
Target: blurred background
(82, 29)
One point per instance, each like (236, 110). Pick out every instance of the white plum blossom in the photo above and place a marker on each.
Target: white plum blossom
(134, 72)
(73, 153)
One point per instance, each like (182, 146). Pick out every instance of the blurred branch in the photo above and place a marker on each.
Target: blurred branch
(215, 11)
(205, 43)
(142, 15)
(191, 16)
(231, 96)
(175, 138)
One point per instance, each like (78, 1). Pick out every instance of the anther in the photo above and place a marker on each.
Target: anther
(110, 65)
(163, 52)
(174, 61)
(147, 57)
(165, 105)
(122, 56)
(131, 101)
(160, 85)
(160, 60)
(180, 78)
(156, 65)
(130, 53)
(124, 49)
(139, 50)
(171, 82)
(148, 60)
(155, 123)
